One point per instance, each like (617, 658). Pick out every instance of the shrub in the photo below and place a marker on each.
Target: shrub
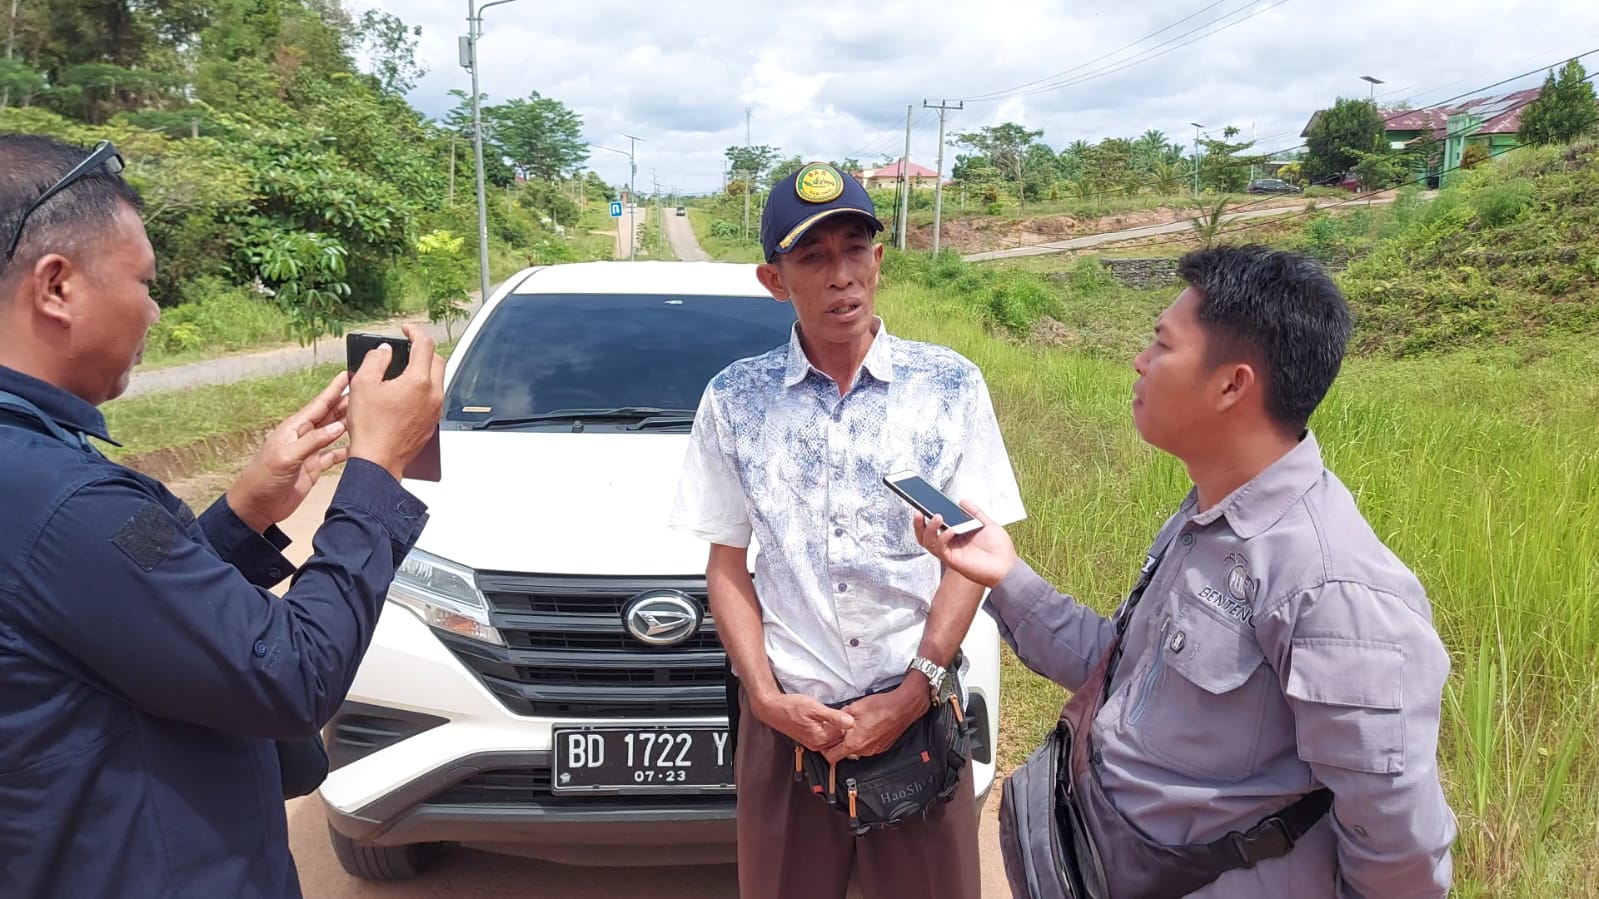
(215, 314)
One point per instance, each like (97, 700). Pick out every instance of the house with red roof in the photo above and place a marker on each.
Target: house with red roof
(889, 175)
(1490, 122)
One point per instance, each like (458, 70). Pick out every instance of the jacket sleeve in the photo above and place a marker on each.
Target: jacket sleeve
(123, 593)
(1363, 672)
(259, 557)
(1052, 633)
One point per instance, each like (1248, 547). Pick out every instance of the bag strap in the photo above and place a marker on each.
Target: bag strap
(21, 408)
(1124, 616)
(1272, 836)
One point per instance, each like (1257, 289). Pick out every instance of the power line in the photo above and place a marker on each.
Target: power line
(1080, 66)
(1127, 64)
(1146, 54)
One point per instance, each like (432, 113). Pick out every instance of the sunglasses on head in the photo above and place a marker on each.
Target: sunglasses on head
(103, 154)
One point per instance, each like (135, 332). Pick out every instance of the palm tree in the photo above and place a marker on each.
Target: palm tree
(1210, 219)
(1167, 179)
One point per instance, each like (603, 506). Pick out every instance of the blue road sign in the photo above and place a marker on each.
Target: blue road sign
(616, 209)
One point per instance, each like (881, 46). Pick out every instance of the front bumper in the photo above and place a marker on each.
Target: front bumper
(424, 752)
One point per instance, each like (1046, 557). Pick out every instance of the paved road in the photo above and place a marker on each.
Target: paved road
(680, 234)
(1183, 225)
(466, 873)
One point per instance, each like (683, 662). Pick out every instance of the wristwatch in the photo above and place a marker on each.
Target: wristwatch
(935, 675)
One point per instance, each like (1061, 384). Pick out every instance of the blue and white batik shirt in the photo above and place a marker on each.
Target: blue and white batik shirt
(778, 456)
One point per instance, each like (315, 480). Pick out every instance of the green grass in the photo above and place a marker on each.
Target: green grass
(1479, 470)
(724, 249)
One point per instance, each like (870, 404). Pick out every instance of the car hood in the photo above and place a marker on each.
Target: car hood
(543, 503)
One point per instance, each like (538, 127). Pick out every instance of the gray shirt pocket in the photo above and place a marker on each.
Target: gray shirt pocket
(1200, 706)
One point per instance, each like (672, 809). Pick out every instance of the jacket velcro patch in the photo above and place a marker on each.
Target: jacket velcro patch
(148, 536)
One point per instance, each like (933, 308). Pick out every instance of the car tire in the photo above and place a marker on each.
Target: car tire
(382, 863)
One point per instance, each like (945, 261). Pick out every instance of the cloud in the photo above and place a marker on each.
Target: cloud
(830, 79)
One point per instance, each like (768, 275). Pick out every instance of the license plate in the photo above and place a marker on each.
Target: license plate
(659, 759)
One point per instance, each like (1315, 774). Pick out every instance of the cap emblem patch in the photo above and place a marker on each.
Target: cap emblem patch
(819, 183)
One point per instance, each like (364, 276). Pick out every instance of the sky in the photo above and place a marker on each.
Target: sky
(831, 79)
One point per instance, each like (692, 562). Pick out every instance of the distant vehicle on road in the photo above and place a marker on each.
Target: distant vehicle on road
(682, 210)
(1272, 186)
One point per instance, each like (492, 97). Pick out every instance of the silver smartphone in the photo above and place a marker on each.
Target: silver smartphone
(930, 501)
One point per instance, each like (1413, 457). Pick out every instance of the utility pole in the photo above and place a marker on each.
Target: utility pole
(468, 48)
(660, 223)
(905, 175)
(938, 184)
(632, 198)
(451, 200)
(1197, 126)
(747, 173)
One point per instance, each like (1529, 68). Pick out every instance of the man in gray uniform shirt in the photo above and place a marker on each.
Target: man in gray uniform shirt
(1279, 647)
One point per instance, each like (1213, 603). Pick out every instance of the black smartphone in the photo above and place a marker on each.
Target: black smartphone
(357, 345)
(930, 501)
(425, 466)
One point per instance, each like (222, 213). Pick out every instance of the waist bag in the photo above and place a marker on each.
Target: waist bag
(302, 763)
(922, 769)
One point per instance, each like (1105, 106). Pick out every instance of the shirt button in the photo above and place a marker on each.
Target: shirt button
(853, 641)
(1188, 539)
(838, 532)
(260, 649)
(1179, 641)
(275, 573)
(843, 588)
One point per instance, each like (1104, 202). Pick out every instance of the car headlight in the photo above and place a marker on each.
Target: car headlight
(444, 595)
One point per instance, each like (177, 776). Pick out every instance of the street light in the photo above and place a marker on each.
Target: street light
(474, 31)
(632, 171)
(1374, 82)
(632, 194)
(1197, 126)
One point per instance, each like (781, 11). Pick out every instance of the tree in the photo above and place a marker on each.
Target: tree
(1221, 169)
(783, 169)
(459, 122)
(390, 47)
(1379, 171)
(751, 163)
(1564, 111)
(1340, 135)
(1006, 147)
(542, 137)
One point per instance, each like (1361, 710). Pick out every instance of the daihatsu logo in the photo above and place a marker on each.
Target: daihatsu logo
(662, 617)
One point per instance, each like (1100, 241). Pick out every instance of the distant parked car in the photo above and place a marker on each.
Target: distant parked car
(1272, 186)
(682, 210)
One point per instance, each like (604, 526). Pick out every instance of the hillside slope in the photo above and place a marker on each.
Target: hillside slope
(1509, 253)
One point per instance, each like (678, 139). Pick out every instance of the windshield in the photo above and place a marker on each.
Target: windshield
(544, 353)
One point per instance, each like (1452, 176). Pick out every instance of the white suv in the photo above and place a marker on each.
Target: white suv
(548, 681)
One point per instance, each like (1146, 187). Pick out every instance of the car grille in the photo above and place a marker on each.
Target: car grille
(569, 656)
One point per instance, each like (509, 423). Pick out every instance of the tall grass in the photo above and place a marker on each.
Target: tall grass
(1480, 472)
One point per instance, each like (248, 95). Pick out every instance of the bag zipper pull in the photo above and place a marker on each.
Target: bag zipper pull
(854, 819)
(799, 763)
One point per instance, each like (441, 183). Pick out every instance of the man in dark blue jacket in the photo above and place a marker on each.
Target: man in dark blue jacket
(145, 670)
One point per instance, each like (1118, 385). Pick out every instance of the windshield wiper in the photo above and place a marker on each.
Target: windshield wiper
(619, 413)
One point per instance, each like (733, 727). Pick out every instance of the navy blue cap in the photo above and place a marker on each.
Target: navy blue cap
(813, 193)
